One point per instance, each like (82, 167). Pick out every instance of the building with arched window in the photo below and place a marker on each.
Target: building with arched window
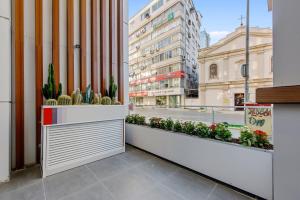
(221, 82)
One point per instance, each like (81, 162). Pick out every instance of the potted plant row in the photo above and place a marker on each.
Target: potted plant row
(53, 95)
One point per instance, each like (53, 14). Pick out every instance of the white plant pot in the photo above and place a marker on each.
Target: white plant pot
(248, 169)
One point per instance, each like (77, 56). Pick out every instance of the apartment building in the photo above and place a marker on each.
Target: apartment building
(164, 38)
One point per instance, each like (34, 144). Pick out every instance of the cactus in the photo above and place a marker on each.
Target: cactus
(88, 96)
(49, 89)
(77, 97)
(51, 102)
(106, 101)
(116, 103)
(112, 89)
(64, 100)
(97, 99)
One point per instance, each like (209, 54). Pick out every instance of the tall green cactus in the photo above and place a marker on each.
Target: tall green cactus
(88, 96)
(112, 92)
(77, 97)
(51, 102)
(49, 89)
(64, 100)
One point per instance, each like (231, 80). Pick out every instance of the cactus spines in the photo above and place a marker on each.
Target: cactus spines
(97, 99)
(64, 100)
(51, 102)
(77, 97)
(49, 89)
(106, 101)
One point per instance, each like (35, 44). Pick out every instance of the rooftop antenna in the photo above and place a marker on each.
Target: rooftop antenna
(242, 20)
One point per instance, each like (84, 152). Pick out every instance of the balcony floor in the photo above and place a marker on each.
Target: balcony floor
(133, 175)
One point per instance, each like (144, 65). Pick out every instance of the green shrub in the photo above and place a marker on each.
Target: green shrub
(177, 126)
(188, 128)
(136, 119)
(202, 130)
(169, 124)
(222, 132)
(162, 124)
(155, 122)
(247, 137)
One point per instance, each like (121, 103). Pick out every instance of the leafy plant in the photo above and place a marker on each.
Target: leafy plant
(202, 130)
(177, 126)
(261, 139)
(49, 89)
(155, 122)
(169, 124)
(247, 137)
(212, 131)
(136, 119)
(222, 132)
(188, 128)
(162, 124)
(112, 91)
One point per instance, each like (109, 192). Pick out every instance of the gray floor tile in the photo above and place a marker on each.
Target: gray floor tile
(108, 167)
(21, 179)
(129, 184)
(136, 157)
(158, 193)
(93, 192)
(189, 185)
(158, 169)
(129, 147)
(223, 193)
(66, 183)
(31, 192)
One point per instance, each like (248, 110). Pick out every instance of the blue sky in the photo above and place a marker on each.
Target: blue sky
(221, 16)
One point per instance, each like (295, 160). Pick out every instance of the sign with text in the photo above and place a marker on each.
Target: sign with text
(259, 118)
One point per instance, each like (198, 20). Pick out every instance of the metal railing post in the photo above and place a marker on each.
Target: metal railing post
(213, 115)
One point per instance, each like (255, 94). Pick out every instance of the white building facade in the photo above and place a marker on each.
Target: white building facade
(163, 41)
(221, 82)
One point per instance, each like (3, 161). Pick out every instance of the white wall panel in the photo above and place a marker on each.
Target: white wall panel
(5, 8)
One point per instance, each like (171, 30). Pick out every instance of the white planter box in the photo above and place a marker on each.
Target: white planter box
(76, 135)
(249, 169)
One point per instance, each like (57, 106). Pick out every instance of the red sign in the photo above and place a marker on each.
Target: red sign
(161, 77)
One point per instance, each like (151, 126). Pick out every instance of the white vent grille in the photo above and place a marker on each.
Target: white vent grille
(68, 143)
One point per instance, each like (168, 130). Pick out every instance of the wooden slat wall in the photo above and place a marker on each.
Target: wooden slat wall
(55, 40)
(19, 80)
(83, 39)
(112, 39)
(94, 46)
(279, 95)
(104, 36)
(70, 46)
(120, 64)
(38, 71)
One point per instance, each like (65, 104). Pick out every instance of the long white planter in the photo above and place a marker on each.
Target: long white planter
(75, 135)
(249, 169)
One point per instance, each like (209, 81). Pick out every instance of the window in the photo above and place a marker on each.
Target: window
(213, 71)
(145, 15)
(157, 5)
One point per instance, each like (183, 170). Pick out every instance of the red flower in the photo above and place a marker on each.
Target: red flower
(213, 127)
(260, 133)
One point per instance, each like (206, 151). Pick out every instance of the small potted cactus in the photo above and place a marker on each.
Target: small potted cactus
(64, 100)
(106, 101)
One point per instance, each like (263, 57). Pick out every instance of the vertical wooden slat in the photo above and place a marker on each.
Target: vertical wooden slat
(94, 40)
(112, 38)
(120, 64)
(19, 81)
(103, 45)
(38, 71)
(70, 46)
(83, 44)
(55, 40)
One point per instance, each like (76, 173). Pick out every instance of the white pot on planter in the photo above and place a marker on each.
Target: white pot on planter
(249, 169)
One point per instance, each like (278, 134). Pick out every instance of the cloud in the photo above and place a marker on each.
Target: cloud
(217, 35)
